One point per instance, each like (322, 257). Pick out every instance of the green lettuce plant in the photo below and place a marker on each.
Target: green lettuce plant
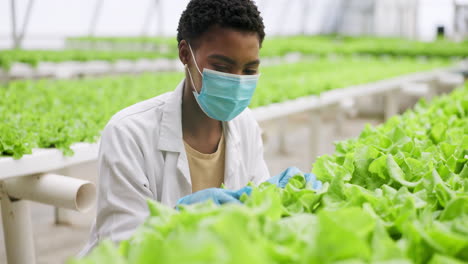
(396, 194)
(58, 113)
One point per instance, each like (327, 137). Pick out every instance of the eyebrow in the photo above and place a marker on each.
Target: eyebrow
(255, 62)
(231, 61)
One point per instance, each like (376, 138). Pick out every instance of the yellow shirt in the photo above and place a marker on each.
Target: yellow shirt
(206, 170)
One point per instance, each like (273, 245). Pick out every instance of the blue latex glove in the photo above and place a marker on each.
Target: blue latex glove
(311, 179)
(217, 195)
(283, 178)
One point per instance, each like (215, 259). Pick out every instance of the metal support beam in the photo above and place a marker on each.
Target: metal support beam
(155, 6)
(285, 10)
(25, 22)
(160, 25)
(147, 20)
(415, 31)
(305, 15)
(95, 17)
(19, 36)
(460, 19)
(13, 24)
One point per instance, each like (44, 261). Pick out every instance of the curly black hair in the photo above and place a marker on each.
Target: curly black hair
(201, 15)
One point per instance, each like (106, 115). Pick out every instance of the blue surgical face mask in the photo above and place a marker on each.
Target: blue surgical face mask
(223, 96)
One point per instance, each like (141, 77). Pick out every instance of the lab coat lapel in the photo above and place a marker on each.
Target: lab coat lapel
(234, 170)
(170, 136)
(182, 166)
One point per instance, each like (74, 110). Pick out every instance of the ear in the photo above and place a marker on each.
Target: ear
(184, 52)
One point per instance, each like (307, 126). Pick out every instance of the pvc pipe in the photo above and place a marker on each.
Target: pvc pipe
(53, 189)
(449, 81)
(66, 216)
(17, 231)
(452, 79)
(315, 126)
(416, 89)
(282, 135)
(391, 104)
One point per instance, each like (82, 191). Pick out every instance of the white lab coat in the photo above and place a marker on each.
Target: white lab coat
(142, 156)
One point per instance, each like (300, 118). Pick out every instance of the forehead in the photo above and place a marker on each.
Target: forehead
(239, 45)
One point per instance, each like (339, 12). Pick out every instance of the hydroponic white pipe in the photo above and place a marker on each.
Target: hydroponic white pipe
(53, 189)
(17, 230)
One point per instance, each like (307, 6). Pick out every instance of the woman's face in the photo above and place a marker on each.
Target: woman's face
(222, 49)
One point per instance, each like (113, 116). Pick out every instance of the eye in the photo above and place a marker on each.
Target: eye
(221, 68)
(250, 71)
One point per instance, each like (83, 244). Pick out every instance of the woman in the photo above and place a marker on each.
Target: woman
(178, 148)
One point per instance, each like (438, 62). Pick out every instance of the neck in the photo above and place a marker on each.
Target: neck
(195, 123)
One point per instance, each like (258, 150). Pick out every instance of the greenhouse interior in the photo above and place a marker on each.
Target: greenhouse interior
(234, 131)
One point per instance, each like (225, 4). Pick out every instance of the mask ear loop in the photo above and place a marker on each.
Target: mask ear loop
(191, 79)
(188, 70)
(195, 92)
(194, 60)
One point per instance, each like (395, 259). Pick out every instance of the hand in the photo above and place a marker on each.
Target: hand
(283, 178)
(217, 195)
(311, 179)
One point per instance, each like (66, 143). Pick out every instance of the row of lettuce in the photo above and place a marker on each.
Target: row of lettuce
(128, 40)
(396, 194)
(58, 113)
(272, 47)
(321, 44)
(33, 57)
